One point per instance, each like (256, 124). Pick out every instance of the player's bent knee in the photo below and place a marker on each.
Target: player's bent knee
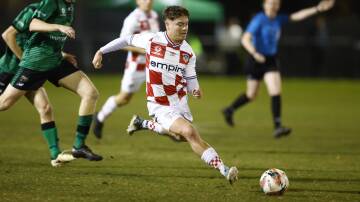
(251, 97)
(188, 132)
(5, 105)
(95, 94)
(91, 94)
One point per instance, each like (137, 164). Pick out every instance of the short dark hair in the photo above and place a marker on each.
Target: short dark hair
(174, 12)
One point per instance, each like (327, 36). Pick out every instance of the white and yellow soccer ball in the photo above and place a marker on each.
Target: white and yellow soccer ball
(274, 182)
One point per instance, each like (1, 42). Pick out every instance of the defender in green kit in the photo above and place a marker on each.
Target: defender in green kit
(15, 36)
(43, 60)
(51, 27)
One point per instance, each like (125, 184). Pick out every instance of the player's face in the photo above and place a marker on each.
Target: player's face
(271, 7)
(177, 29)
(145, 5)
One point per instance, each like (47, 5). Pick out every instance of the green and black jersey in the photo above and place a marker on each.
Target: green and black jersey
(9, 63)
(43, 50)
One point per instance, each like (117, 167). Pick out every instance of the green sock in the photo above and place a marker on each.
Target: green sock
(82, 131)
(49, 132)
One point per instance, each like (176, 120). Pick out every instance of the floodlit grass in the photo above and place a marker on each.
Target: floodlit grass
(321, 157)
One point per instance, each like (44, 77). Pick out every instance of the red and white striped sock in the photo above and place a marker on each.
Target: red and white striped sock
(211, 157)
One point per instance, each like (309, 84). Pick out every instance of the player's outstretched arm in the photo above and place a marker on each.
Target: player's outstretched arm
(135, 49)
(9, 36)
(323, 6)
(248, 45)
(114, 45)
(37, 25)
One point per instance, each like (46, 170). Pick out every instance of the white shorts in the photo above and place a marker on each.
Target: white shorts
(132, 79)
(166, 115)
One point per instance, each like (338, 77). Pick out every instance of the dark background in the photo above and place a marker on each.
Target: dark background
(304, 51)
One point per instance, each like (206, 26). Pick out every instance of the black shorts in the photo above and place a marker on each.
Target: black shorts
(256, 71)
(5, 79)
(27, 79)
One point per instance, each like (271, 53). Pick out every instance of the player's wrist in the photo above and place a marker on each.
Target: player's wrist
(100, 52)
(56, 27)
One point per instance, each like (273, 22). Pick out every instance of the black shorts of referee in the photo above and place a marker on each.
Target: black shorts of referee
(255, 70)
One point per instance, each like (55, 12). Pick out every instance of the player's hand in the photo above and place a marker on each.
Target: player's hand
(196, 93)
(325, 5)
(70, 58)
(97, 61)
(260, 58)
(68, 31)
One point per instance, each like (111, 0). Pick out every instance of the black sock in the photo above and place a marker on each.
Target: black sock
(276, 110)
(240, 101)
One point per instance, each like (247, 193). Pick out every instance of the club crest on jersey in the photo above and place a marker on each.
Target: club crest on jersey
(184, 57)
(70, 10)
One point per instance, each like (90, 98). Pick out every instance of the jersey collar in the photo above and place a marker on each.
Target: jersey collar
(171, 43)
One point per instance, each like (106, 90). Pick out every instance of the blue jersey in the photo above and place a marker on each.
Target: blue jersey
(266, 32)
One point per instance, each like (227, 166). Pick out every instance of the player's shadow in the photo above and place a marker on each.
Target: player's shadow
(146, 167)
(157, 175)
(206, 173)
(167, 176)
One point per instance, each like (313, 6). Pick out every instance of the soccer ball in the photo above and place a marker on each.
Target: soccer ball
(274, 182)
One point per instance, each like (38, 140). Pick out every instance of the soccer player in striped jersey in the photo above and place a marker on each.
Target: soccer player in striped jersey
(260, 40)
(15, 36)
(142, 19)
(42, 60)
(170, 75)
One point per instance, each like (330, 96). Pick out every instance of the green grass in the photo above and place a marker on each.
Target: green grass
(321, 157)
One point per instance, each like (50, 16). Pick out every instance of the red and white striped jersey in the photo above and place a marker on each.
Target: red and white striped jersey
(168, 66)
(139, 22)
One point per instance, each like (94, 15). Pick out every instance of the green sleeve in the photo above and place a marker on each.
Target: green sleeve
(46, 9)
(23, 20)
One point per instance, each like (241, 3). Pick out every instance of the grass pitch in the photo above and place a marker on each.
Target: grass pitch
(321, 157)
